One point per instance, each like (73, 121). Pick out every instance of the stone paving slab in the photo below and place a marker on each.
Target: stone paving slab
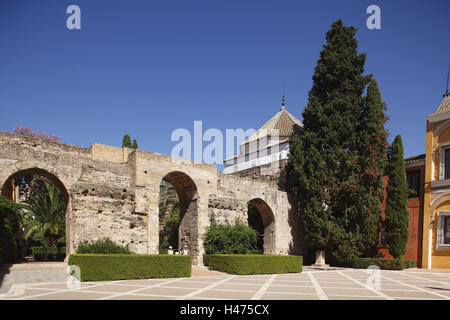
(339, 284)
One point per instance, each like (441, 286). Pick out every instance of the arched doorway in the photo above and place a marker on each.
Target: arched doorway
(169, 217)
(264, 223)
(186, 192)
(43, 221)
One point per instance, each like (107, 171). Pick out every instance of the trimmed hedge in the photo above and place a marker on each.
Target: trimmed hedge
(48, 254)
(254, 263)
(102, 246)
(105, 267)
(384, 264)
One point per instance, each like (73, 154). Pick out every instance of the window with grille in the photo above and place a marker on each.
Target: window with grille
(443, 230)
(413, 183)
(446, 230)
(447, 163)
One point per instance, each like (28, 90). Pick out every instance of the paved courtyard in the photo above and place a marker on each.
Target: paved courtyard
(341, 284)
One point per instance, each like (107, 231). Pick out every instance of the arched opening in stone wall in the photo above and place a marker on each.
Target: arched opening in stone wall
(169, 217)
(186, 209)
(41, 222)
(261, 218)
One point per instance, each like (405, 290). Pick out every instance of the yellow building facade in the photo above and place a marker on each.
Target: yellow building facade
(436, 219)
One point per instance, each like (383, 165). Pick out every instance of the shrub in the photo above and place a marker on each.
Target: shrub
(25, 131)
(48, 254)
(228, 239)
(1, 256)
(254, 264)
(103, 267)
(384, 264)
(102, 246)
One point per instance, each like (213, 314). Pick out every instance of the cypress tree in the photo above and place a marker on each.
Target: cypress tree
(397, 213)
(372, 145)
(135, 145)
(331, 166)
(126, 142)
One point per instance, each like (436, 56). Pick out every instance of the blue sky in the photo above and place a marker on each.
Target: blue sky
(149, 67)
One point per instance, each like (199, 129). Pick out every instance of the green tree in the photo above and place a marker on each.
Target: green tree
(171, 225)
(126, 142)
(230, 239)
(169, 217)
(46, 215)
(397, 214)
(10, 213)
(255, 222)
(135, 145)
(325, 164)
(167, 195)
(372, 143)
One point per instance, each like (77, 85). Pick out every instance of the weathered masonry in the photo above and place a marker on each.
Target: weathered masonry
(114, 192)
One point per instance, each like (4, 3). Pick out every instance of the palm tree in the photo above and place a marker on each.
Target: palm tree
(46, 215)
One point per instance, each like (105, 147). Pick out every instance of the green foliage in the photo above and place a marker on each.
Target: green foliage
(255, 222)
(102, 246)
(384, 264)
(9, 224)
(254, 264)
(223, 239)
(171, 225)
(48, 254)
(107, 267)
(169, 211)
(372, 161)
(397, 213)
(339, 253)
(126, 142)
(336, 164)
(167, 196)
(45, 216)
(6, 233)
(7, 206)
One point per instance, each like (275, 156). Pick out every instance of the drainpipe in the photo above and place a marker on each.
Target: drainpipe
(430, 238)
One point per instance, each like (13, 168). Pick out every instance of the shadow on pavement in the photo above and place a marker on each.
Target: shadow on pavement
(4, 270)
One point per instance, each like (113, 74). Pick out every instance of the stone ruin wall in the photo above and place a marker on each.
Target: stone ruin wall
(114, 192)
(101, 197)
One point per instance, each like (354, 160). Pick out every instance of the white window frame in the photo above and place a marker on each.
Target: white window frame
(440, 245)
(442, 148)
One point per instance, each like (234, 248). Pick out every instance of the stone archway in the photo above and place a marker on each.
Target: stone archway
(7, 190)
(188, 196)
(268, 220)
